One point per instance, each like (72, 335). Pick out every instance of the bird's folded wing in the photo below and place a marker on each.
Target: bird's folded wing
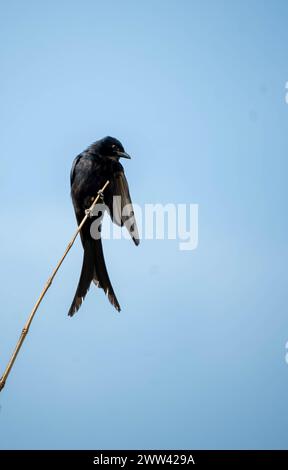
(121, 208)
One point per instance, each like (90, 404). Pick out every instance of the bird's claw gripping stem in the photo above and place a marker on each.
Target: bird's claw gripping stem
(101, 196)
(88, 212)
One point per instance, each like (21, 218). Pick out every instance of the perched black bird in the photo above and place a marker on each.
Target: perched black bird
(90, 171)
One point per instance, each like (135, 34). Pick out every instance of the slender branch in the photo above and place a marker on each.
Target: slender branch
(46, 287)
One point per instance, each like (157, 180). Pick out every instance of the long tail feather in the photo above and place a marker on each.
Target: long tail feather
(101, 278)
(86, 277)
(93, 269)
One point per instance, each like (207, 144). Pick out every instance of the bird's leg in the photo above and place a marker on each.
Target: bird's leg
(101, 196)
(88, 212)
(88, 204)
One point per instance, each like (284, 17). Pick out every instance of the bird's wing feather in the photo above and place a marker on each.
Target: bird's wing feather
(120, 206)
(72, 172)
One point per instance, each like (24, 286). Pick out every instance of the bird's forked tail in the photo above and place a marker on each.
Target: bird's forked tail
(93, 269)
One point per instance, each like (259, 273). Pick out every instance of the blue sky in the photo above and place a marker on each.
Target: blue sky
(196, 93)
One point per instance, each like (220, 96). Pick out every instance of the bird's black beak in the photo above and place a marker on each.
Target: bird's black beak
(123, 155)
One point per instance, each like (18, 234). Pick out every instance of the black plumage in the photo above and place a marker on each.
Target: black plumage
(90, 171)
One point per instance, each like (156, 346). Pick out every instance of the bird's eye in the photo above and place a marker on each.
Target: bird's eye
(113, 146)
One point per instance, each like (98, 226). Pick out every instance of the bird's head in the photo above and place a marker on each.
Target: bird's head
(112, 148)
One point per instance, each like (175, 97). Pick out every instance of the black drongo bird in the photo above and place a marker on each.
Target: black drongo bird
(90, 171)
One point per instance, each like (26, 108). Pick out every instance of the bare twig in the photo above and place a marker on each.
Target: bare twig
(46, 287)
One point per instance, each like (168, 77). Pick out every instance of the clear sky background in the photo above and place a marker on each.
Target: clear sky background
(196, 93)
